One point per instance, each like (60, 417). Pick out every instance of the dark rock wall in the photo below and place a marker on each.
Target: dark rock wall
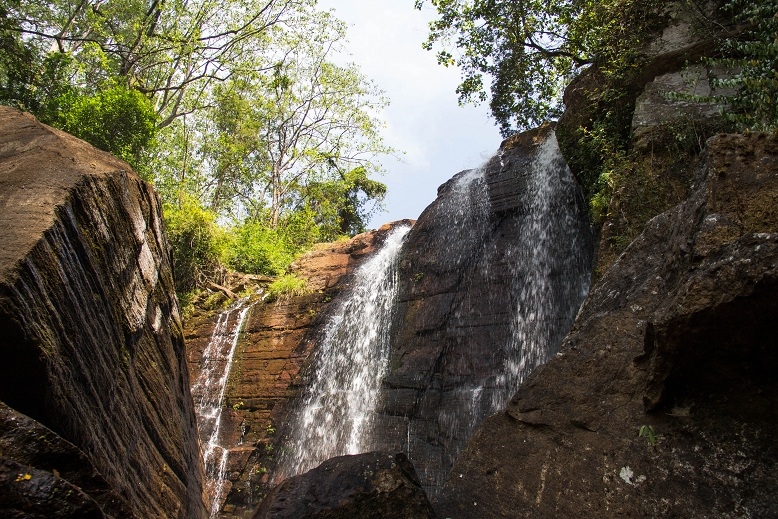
(680, 336)
(89, 327)
(471, 311)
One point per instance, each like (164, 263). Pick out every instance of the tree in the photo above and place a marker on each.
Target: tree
(116, 119)
(172, 51)
(344, 204)
(283, 137)
(532, 48)
(258, 142)
(30, 80)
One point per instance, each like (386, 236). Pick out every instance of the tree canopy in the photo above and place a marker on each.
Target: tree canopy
(529, 50)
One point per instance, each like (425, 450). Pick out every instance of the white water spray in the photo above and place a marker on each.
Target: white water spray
(522, 258)
(551, 250)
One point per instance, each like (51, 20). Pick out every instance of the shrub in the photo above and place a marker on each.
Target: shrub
(198, 243)
(117, 119)
(259, 249)
(753, 59)
(287, 286)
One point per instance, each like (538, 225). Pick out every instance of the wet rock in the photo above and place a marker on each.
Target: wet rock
(26, 447)
(468, 276)
(368, 486)
(662, 401)
(90, 336)
(29, 493)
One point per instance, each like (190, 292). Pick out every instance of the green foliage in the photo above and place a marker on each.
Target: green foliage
(236, 111)
(259, 249)
(198, 243)
(647, 431)
(531, 49)
(342, 205)
(30, 80)
(301, 137)
(287, 286)
(171, 51)
(601, 158)
(752, 59)
(115, 119)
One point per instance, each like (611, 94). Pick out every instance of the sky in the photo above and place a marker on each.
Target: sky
(424, 119)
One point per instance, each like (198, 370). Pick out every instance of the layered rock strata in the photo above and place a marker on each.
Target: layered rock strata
(662, 401)
(94, 374)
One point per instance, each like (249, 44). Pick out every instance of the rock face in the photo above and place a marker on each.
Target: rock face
(659, 118)
(272, 354)
(368, 486)
(491, 277)
(93, 376)
(677, 341)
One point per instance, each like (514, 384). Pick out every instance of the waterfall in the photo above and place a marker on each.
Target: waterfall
(550, 270)
(208, 392)
(350, 362)
(507, 248)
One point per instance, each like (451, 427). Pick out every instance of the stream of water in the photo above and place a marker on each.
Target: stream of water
(350, 362)
(208, 394)
(550, 270)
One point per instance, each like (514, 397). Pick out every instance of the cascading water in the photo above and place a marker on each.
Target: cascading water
(490, 280)
(208, 393)
(350, 361)
(552, 250)
(507, 249)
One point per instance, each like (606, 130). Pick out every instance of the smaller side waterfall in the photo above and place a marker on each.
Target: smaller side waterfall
(208, 393)
(351, 360)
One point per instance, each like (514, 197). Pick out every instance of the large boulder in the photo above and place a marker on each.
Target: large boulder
(90, 335)
(662, 401)
(374, 485)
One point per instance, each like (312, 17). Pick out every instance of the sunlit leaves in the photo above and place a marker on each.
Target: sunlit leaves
(116, 119)
(530, 49)
(288, 138)
(170, 50)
